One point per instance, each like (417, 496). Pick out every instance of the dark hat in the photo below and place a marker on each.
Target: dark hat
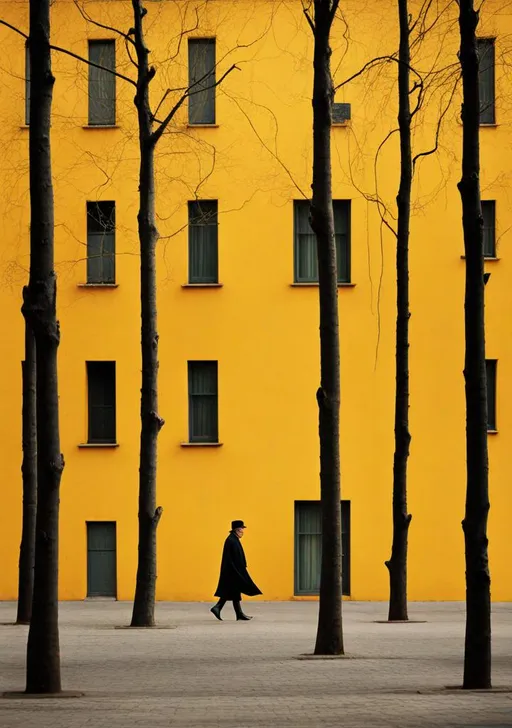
(237, 524)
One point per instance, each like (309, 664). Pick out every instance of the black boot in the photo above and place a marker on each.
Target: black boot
(239, 614)
(216, 609)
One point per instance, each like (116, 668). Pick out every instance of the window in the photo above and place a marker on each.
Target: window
(101, 381)
(489, 215)
(490, 371)
(203, 401)
(201, 81)
(306, 265)
(203, 242)
(308, 547)
(27, 85)
(487, 91)
(102, 83)
(101, 242)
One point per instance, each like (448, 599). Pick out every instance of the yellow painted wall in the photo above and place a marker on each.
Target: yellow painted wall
(262, 330)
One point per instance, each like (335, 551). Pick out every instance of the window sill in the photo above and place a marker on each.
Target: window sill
(201, 444)
(202, 285)
(341, 123)
(97, 285)
(315, 285)
(492, 125)
(100, 126)
(24, 126)
(492, 432)
(487, 258)
(202, 126)
(98, 444)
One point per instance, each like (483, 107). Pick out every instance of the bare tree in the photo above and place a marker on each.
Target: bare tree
(29, 474)
(329, 639)
(477, 650)
(397, 564)
(150, 130)
(39, 309)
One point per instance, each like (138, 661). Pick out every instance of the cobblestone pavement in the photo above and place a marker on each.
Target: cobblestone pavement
(207, 674)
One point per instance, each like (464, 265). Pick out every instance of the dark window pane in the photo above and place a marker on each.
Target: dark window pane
(203, 241)
(27, 85)
(306, 265)
(486, 55)
(101, 242)
(489, 215)
(340, 113)
(308, 546)
(201, 70)
(490, 370)
(102, 83)
(101, 381)
(203, 401)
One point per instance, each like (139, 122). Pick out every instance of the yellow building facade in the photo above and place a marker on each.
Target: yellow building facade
(238, 309)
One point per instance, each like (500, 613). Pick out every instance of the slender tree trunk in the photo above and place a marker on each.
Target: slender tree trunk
(39, 308)
(397, 564)
(29, 474)
(149, 515)
(477, 653)
(329, 639)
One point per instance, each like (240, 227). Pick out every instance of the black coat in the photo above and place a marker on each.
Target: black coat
(234, 578)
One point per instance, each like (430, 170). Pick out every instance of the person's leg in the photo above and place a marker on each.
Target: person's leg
(215, 610)
(239, 613)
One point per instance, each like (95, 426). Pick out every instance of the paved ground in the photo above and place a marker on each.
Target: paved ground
(207, 674)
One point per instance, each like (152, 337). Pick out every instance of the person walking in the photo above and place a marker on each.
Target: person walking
(234, 578)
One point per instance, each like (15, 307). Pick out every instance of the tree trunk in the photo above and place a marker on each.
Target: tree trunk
(149, 515)
(477, 653)
(397, 564)
(29, 474)
(329, 639)
(39, 308)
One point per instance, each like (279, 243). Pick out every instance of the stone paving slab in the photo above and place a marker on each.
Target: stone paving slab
(207, 674)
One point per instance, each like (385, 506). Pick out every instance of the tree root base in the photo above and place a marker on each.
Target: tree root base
(311, 656)
(42, 696)
(154, 626)
(399, 621)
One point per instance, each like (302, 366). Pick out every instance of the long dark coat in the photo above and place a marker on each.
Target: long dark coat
(234, 578)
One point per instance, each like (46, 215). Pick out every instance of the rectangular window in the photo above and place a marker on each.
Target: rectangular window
(203, 263)
(486, 54)
(490, 371)
(102, 83)
(101, 242)
(101, 389)
(306, 265)
(489, 215)
(101, 559)
(201, 80)
(27, 85)
(203, 401)
(308, 547)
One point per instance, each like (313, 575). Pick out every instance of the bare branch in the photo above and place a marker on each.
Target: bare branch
(94, 65)
(334, 8)
(370, 64)
(270, 151)
(85, 15)
(438, 128)
(13, 27)
(155, 136)
(311, 23)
